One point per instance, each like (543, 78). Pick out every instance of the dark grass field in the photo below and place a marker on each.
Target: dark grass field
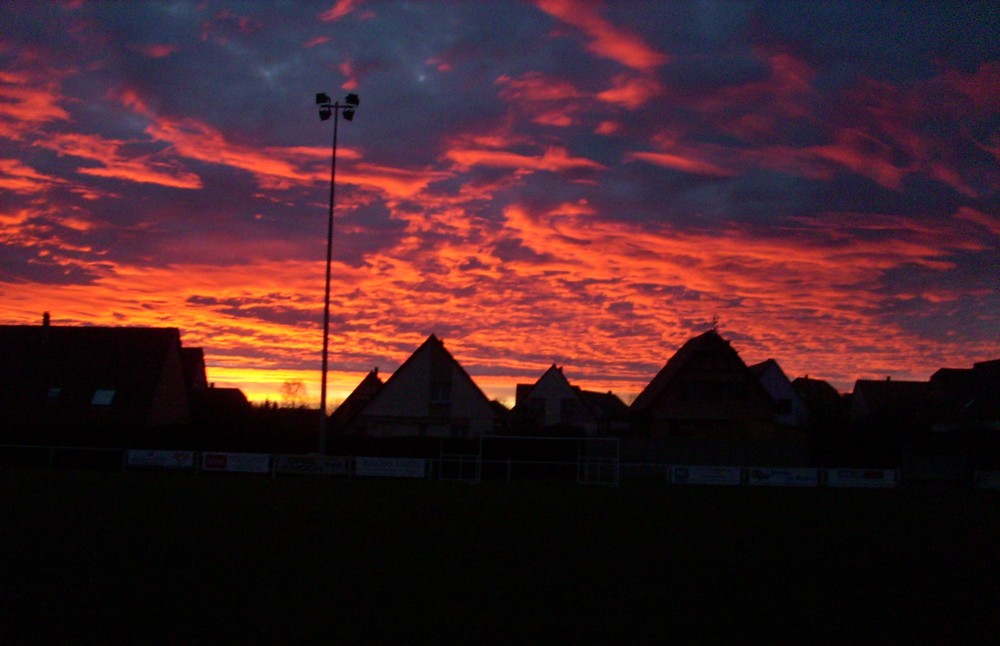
(147, 557)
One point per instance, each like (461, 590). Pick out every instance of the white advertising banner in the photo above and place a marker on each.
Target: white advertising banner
(694, 474)
(863, 478)
(780, 477)
(236, 462)
(160, 459)
(988, 479)
(390, 467)
(319, 464)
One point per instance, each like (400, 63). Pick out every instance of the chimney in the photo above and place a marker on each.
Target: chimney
(46, 319)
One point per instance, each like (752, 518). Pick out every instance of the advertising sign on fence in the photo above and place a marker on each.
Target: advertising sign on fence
(390, 467)
(693, 474)
(236, 462)
(780, 477)
(988, 479)
(319, 464)
(864, 478)
(160, 459)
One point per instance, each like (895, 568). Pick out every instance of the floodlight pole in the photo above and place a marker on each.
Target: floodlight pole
(326, 110)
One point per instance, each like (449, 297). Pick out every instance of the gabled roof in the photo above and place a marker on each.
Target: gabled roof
(707, 341)
(433, 345)
(361, 395)
(815, 390)
(605, 405)
(819, 395)
(760, 369)
(601, 405)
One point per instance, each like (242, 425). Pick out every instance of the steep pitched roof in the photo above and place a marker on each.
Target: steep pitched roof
(761, 368)
(436, 346)
(361, 395)
(692, 348)
(606, 405)
(819, 395)
(601, 405)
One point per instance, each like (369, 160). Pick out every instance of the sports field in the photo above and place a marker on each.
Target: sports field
(146, 557)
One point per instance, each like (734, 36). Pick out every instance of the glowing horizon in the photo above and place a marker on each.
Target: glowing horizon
(561, 182)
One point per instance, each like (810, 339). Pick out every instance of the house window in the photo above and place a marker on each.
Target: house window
(53, 394)
(102, 397)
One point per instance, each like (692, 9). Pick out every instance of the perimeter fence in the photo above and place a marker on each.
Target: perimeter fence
(499, 459)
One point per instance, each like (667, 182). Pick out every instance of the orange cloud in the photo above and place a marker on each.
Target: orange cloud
(20, 178)
(27, 102)
(107, 152)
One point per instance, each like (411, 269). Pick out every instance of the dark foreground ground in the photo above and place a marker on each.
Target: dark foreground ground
(180, 558)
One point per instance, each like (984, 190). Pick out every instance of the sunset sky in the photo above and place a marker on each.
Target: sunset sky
(559, 182)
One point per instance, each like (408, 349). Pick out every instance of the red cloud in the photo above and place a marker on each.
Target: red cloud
(554, 159)
(155, 51)
(535, 86)
(631, 92)
(339, 10)
(684, 164)
(319, 40)
(606, 40)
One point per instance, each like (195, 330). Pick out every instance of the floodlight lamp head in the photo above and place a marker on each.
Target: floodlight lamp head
(352, 99)
(324, 114)
(322, 98)
(349, 114)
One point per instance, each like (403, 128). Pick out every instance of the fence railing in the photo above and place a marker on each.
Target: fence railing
(460, 467)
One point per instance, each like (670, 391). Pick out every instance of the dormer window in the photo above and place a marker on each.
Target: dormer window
(102, 397)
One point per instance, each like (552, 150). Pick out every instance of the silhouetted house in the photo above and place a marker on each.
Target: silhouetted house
(92, 385)
(965, 408)
(887, 418)
(705, 389)
(897, 407)
(966, 398)
(430, 395)
(791, 409)
(343, 417)
(707, 407)
(826, 405)
(832, 444)
(551, 406)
